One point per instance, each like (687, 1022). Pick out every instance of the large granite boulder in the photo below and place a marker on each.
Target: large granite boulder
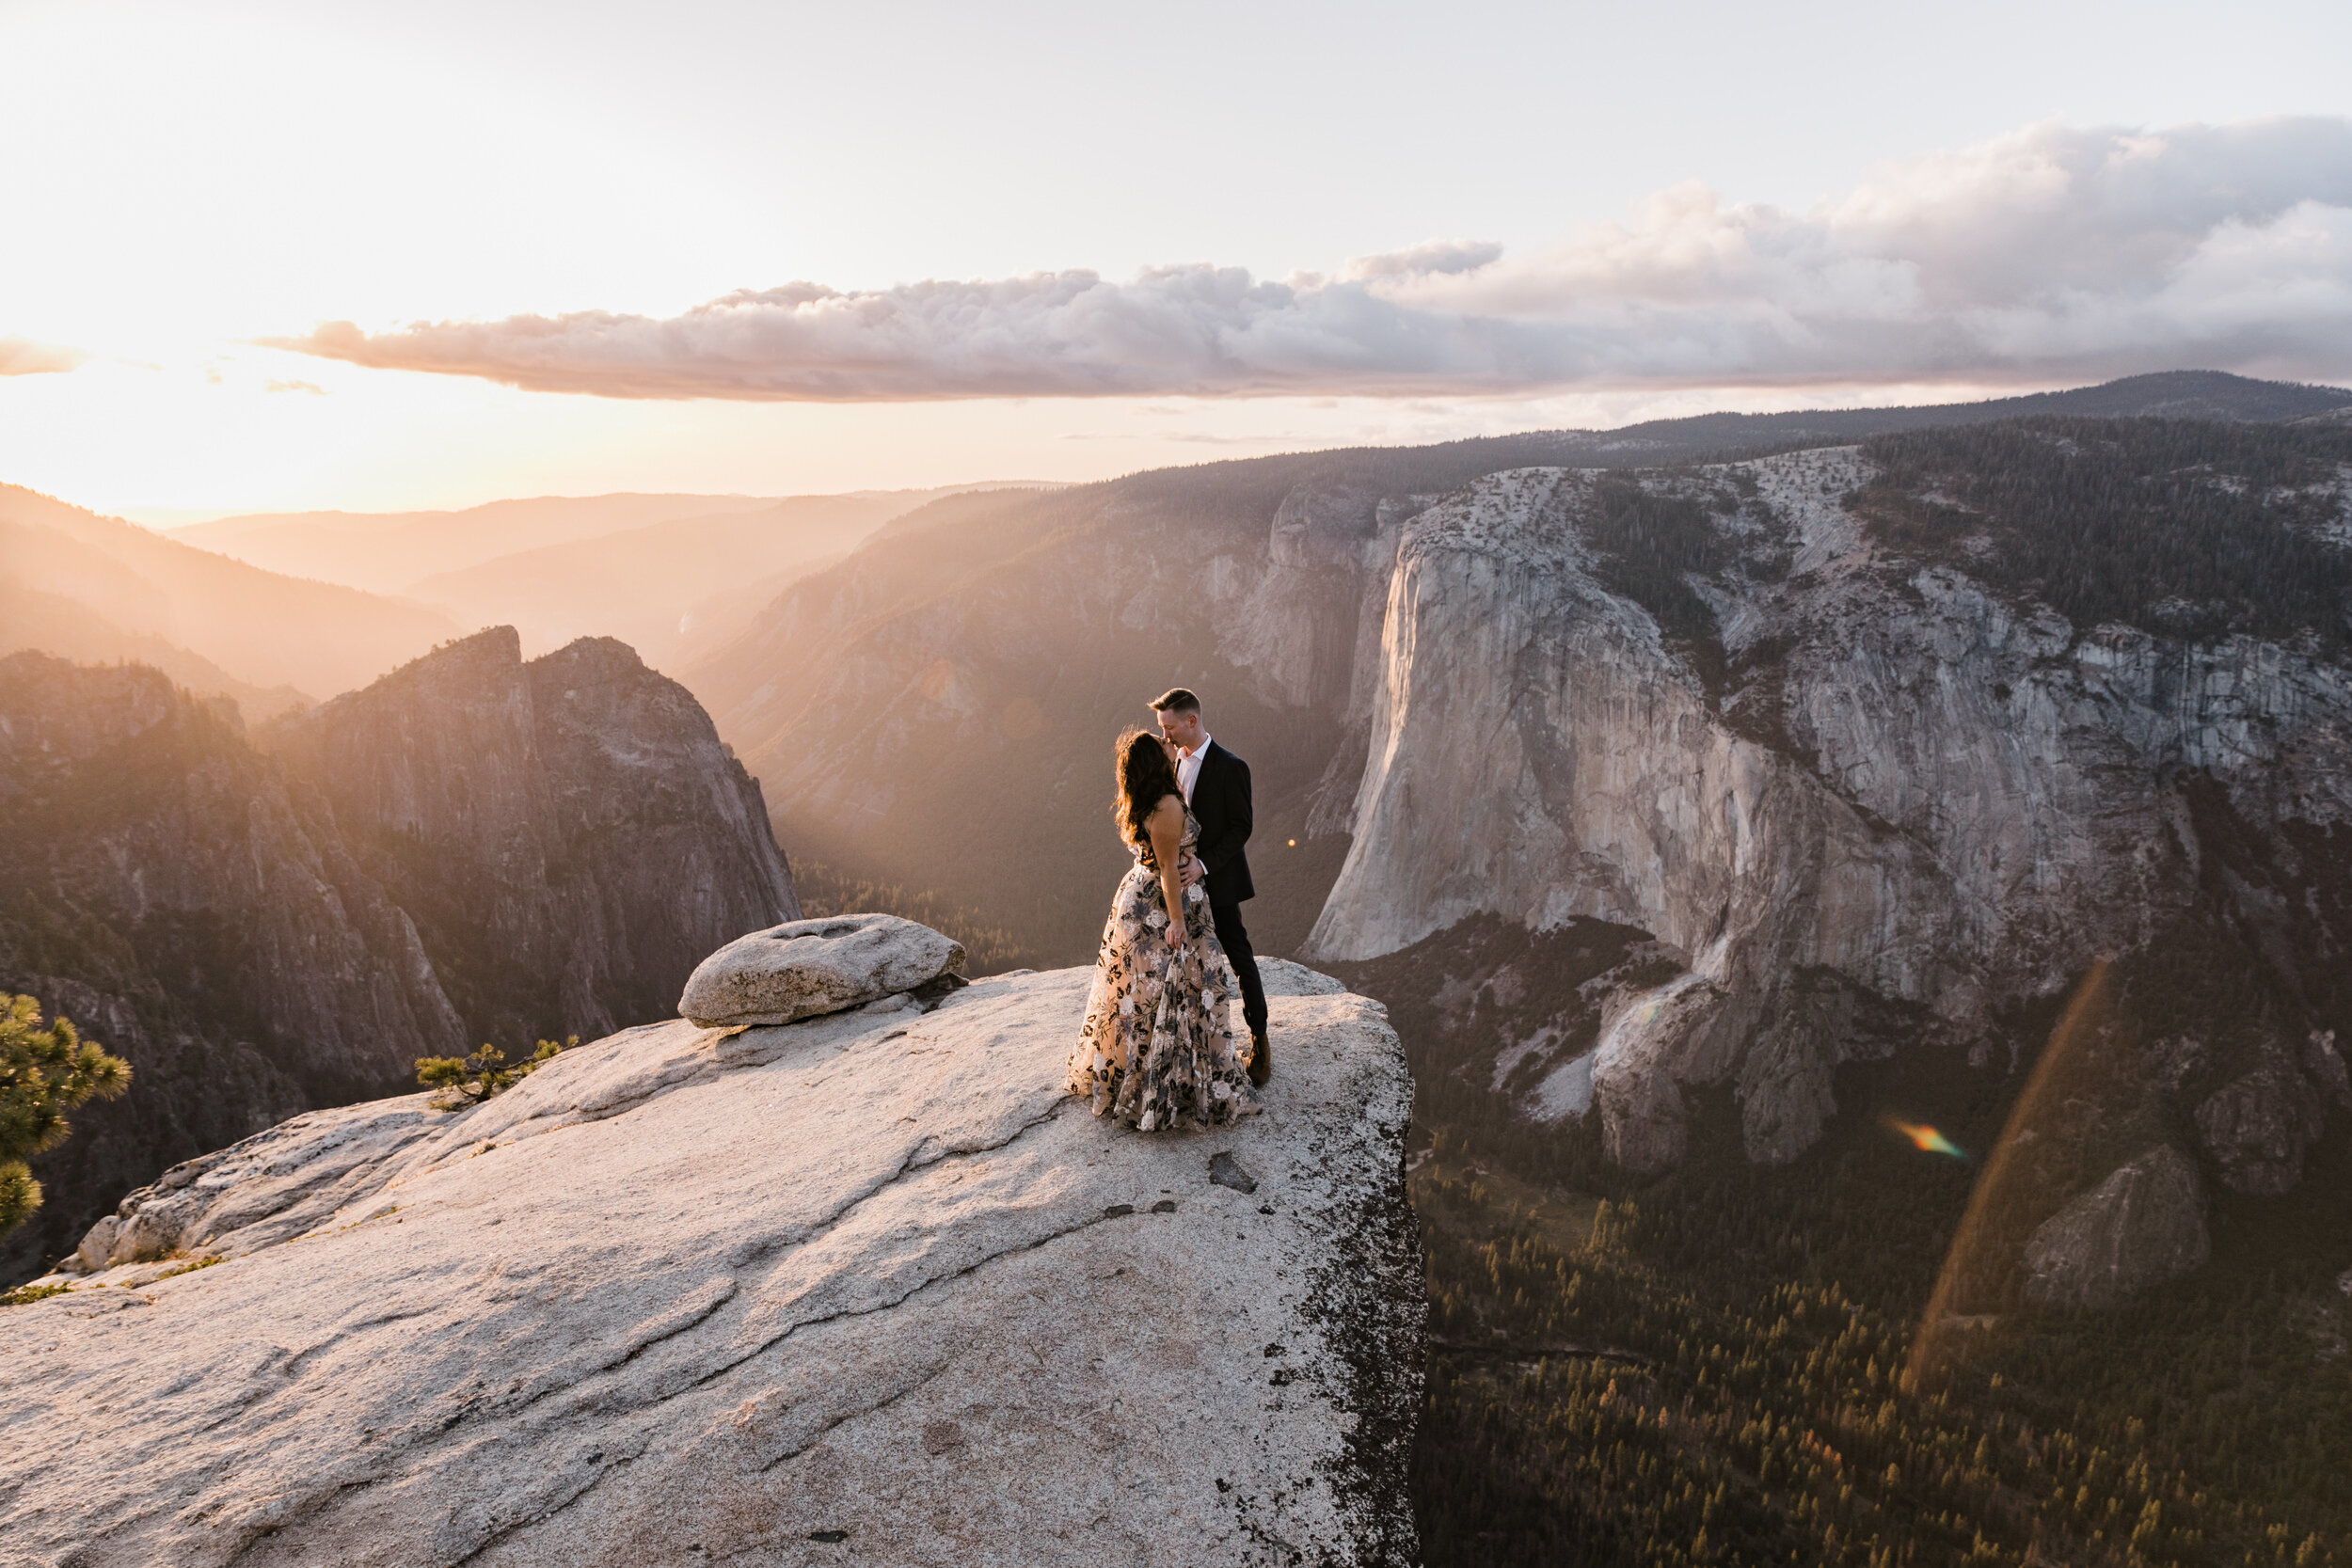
(2257, 1127)
(2144, 1225)
(806, 967)
(868, 1288)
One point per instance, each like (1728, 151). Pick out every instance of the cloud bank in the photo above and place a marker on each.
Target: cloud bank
(23, 356)
(2049, 253)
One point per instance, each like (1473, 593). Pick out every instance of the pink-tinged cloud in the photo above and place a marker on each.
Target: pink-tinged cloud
(23, 356)
(2050, 252)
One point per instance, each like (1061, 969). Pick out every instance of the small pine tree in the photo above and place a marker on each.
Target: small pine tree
(471, 1080)
(43, 1075)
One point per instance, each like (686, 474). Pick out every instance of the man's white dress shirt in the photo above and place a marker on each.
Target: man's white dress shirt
(1189, 766)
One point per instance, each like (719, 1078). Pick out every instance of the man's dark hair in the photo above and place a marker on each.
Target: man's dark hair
(1178, 699)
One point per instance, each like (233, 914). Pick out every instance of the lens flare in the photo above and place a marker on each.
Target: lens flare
(1925, 1139)
(2001, 1175)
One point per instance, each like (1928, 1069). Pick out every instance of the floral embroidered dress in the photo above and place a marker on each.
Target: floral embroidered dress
(1157, 1049)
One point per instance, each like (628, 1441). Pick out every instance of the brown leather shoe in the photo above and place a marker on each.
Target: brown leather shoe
(1260, 1060)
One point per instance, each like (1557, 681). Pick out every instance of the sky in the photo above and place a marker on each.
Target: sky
(263, 256)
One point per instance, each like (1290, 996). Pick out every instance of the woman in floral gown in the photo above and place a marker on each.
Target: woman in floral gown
(1157, 1049)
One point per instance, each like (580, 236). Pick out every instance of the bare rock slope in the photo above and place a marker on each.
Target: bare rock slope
(868, 1287)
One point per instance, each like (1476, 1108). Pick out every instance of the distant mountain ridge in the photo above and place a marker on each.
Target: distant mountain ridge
(385, 551)
(671, 575)
(2215, 395)
(54, 624)
(658, 586)
(263, 628)
(2165, 395)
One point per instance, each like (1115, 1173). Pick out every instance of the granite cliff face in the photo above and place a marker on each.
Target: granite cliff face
(568, 834)
(1872, 799)
(259, 934)
(869, 1287)
(982, 648)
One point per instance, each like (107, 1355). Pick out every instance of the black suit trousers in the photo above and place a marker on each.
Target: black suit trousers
(1234, 938)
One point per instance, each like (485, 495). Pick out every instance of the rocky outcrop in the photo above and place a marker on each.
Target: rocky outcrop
(259, 934)
(806, 967)
(870, 1285)
(568, 835)
(2257, 1128)
(2141, 1227)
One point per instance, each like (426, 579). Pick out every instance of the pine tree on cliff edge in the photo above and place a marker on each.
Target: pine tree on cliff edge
(43, 1075)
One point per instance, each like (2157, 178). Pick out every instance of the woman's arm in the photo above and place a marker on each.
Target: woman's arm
(1166, 827)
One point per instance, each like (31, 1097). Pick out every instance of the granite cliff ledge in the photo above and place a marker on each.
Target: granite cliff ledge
(867, 1286)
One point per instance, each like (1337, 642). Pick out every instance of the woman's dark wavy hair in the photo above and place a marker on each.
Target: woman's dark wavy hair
(1146, 778)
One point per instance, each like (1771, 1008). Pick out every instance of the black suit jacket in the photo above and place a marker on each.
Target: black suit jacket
(1220, 798)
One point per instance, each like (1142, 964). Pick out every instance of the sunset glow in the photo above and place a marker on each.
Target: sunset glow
(268, 255)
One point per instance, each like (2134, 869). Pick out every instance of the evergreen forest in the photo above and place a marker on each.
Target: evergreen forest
(2180, 528)
(1726, 1364)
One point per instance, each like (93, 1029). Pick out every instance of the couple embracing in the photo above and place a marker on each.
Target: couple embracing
(1158, 1049)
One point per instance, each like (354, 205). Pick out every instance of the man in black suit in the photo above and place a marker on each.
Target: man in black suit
(1217, 786)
